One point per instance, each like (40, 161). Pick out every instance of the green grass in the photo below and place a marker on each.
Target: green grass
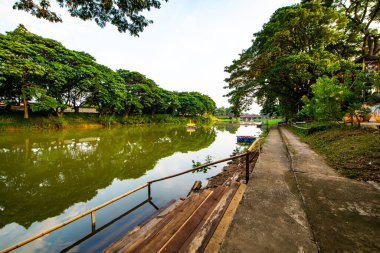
(227, 119)
(353, 152)
(271, 122)
(15, 120)
(311, 127)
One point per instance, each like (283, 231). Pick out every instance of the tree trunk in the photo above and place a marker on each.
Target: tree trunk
(26, 112)
(23, 87)
(59, 113)
(127, 111)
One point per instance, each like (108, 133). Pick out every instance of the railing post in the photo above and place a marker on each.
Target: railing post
(149, 191)
(247, 167)
(93, 221)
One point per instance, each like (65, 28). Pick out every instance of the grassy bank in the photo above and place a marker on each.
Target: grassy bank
(15, 120)
(271, 122)
(227, 119)
(353, 152)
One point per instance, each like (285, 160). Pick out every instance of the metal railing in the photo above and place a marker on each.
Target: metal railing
(256, 146)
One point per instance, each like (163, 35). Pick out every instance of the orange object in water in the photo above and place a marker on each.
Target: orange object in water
(377, 119)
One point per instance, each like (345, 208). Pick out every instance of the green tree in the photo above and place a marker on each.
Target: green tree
(364, 18)
(286, 57)
(107, 91)
(344, 91)
(42, 71)
(124, 14)
(20, 66)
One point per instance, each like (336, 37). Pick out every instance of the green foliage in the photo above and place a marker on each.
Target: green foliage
(125, 15)
(302, 51)
(344, 92)
(222, 111)
(286, 56)
(43, 73)
(362, 29)
(329, 96)
(208, 159)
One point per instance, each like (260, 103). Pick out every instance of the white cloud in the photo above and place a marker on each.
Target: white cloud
(186, 49)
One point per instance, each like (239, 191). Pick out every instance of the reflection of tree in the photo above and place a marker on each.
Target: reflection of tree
(231, 128)
(43, 174)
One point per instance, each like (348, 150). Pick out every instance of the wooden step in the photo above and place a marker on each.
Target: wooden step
(199, 239)
(143, 228)
(180, 235)
(168, 228)
(139, 240)
(185, 226)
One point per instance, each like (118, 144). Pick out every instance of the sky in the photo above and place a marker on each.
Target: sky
(185, 49)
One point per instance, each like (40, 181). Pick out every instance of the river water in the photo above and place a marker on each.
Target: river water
(48, 177)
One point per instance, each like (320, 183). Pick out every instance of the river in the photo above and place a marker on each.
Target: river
(48, 177)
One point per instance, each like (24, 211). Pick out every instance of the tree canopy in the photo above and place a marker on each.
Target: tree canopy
(299, 45)
(42, 74)
(124, 14)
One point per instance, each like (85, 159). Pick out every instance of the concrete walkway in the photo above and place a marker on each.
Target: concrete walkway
(295, 202)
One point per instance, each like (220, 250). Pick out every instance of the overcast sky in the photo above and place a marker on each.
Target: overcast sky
(185, 49)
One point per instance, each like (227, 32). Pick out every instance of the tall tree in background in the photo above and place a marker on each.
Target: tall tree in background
(124, 14)
(286, 57)
(364, 18)
(52, 77)
(20, 67)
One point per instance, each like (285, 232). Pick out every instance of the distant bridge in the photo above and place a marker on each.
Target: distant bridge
(250, 117)
(247, 117)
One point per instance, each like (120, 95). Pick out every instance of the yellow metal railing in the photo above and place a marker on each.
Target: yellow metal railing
(255, 146)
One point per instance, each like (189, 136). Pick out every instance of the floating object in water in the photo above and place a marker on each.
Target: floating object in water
(246, 139)
(190, 125)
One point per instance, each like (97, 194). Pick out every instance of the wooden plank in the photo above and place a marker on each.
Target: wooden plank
(143, 228)
(221, 230)
(199, 239)
(182, 234)
(164, 230)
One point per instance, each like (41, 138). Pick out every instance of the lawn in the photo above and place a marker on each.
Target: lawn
(353, 152)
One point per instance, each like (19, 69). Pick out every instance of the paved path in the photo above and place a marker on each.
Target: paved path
(294, 202)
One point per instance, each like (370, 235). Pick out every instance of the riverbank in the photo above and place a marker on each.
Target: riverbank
(12, 121)
(353, 152)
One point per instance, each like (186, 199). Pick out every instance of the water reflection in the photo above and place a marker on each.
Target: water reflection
(42, 174)
(231, 128)
(62, 174)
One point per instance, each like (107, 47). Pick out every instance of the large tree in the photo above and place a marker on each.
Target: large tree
(286, 57)
(42, 71)
(21, 68)
(124, 14)
(364, 18)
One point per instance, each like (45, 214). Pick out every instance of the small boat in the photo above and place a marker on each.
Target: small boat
(245, 139)
(258, 123)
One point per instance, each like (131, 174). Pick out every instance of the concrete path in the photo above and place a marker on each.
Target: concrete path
(300, 204)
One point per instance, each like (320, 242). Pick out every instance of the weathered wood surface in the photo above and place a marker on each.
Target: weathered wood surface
(220, 232)
(200, 237)
(185, 226)
(142, 229)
